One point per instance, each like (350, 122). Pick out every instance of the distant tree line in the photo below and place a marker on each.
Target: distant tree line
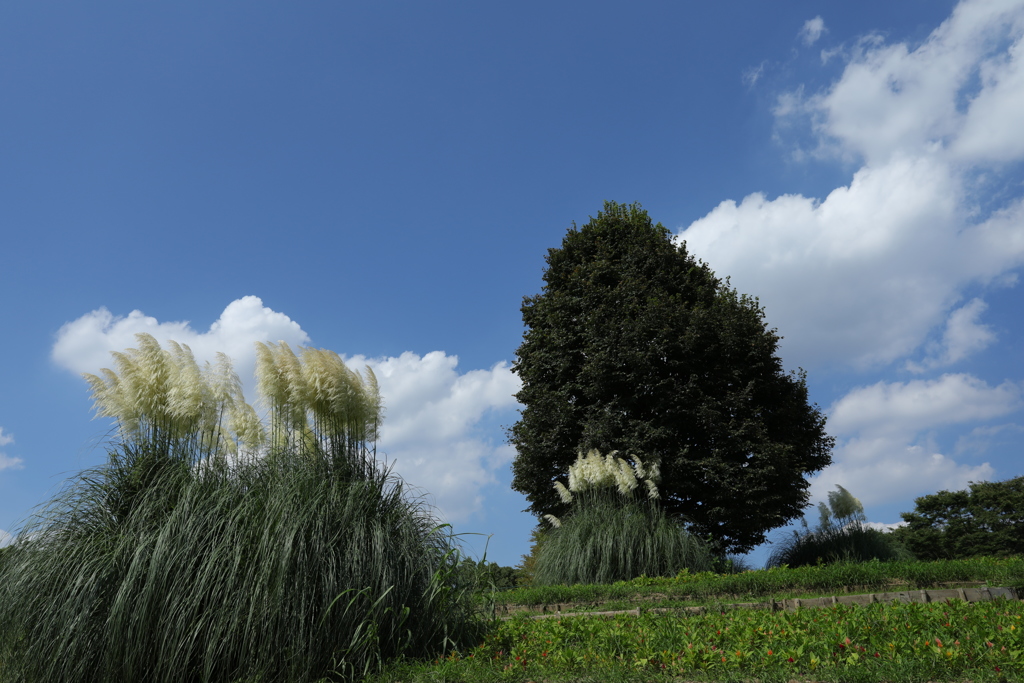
(985, 519)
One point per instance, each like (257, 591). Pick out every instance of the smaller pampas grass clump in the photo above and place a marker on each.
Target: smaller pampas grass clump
(615, 530)
(841, 536)
(215, 548)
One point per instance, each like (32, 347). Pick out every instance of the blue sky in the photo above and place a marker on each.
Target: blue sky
(384, 179)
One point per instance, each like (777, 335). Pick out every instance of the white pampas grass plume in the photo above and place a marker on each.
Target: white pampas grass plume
(270, 380)
(246, 425)
(563, 492)
(595, 471)
(555, 521)
(163, 394)
(638, 464)
(185, 398)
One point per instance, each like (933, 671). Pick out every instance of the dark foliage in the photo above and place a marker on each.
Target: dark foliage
(986, 519)
(636, 346)
(487, 575)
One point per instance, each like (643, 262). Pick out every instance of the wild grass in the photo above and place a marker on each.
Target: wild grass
(605, 539)
(181, 560)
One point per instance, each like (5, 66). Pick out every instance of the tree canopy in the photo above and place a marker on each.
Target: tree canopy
(634, 345)
(986, 519)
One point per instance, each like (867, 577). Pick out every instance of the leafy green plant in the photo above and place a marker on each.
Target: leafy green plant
(946, 641)
(211, 548)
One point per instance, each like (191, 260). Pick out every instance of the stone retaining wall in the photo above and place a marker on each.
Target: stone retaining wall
(981, 594)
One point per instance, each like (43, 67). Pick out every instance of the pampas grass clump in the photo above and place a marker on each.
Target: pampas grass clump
(615, 529)
(210, 548)
(841, 536)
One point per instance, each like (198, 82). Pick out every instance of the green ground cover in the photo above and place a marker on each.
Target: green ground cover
(949, 641)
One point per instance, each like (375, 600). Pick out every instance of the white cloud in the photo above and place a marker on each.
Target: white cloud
(812, 30)
(910, 407)
(5, 538)
(991, 129)
(885, 452)
(897, 99)
(883, 527)
(963, 336)
(432, 427)
(85, 344)
(753, 74)
(889, 470)
(859, 277)
(431, 422)
(864, 275)
(6, 462)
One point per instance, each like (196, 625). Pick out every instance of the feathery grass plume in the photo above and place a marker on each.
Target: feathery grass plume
(341, 404)
(593, 470)
(317, 398)
(612, 531)
(163, 398)
(152, 568)
(841, 536)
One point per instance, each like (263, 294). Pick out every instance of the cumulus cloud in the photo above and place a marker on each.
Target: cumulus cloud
(885, 450)
(957, 92)
(910, 407)
(432, 427)
(864, 275)
(84, 345)
(6, 462)
(433, 430)
(812, 30)
(887, 470)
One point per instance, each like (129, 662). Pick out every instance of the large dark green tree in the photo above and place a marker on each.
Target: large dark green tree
(986, 519)
(634, 345)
